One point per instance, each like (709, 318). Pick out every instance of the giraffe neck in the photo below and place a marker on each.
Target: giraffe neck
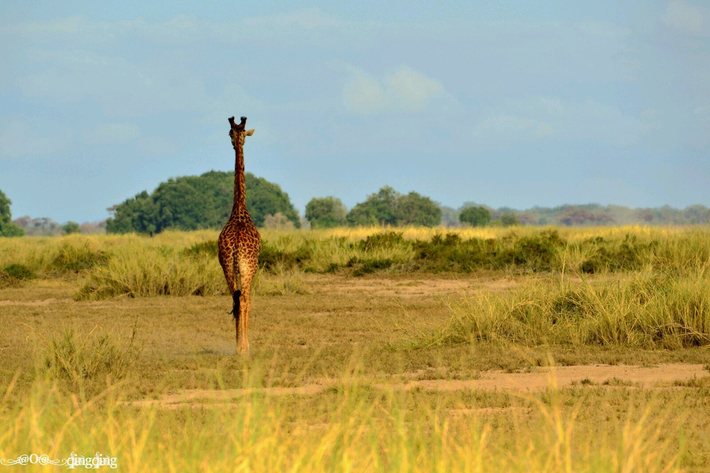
(240, 202)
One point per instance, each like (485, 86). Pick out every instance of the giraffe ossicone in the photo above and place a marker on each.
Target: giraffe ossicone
(239, 242)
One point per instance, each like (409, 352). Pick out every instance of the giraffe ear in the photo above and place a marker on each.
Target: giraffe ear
(249, 132)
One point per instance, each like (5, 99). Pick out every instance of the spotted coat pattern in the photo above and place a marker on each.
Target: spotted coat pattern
(239, 243)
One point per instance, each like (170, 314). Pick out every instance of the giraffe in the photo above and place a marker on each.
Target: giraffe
(239, 243)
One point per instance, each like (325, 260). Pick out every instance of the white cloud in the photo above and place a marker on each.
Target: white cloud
(685, 16)
(112, 134)
(20, 139)
(402, 90)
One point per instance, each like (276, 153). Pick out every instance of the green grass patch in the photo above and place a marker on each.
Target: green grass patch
(648, 311)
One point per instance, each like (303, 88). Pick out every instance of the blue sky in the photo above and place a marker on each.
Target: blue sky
(516, 104)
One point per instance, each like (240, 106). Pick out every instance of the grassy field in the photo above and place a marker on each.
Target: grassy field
(406, 350)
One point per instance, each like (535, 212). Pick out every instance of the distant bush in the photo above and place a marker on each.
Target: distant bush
(475, 216)
(71, 227)
(326, 212)
(388, 207)
(509, 219)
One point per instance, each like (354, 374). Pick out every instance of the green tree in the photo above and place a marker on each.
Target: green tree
(475, 216)
(388, 207)
(7, 228)
(71, 227)
(266, 198)
(378, 209)
(325, 212)
(196, 202)
(508, 219)
(416, 209)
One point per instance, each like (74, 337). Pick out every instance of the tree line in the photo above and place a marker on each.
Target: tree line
(205, 201)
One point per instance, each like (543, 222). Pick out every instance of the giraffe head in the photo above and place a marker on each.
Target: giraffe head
(239, 132)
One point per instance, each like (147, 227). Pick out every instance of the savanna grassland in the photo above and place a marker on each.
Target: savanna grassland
(372, 350)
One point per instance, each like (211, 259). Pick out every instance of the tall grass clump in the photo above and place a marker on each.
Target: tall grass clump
(160, 272)
(85, 362)
(75, 258)
(647, 311)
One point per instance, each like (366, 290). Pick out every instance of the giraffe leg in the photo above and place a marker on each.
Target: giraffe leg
(244, 308)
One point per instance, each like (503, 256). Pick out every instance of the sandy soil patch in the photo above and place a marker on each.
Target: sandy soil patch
(407, 287)
(32, 303)
(538, 380)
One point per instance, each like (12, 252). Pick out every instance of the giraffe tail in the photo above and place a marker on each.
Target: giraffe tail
(235, 310)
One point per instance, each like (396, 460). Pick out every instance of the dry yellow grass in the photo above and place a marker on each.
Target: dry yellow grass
(357, 337)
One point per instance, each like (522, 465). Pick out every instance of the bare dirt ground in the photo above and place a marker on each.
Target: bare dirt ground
(409, 287)
(304, 342)
(608, 376)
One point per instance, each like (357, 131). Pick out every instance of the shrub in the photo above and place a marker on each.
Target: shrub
(509, 219)
(71, 227)
(539, 252)
(20, 271)
(627, 256)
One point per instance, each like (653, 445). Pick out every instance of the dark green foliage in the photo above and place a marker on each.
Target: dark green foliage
(138, 214)
(7, 228)
(450, 253)
(475, 216)
(71, 227)
(509, 219)
(388, 207)
(415, 209)
(326, 212)
(208, 248)
(538, 253)
(271, 257)
(629, 255)
(378, 209)
(20, 271)
(197, 202)
(266, 198)
(73, 259)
